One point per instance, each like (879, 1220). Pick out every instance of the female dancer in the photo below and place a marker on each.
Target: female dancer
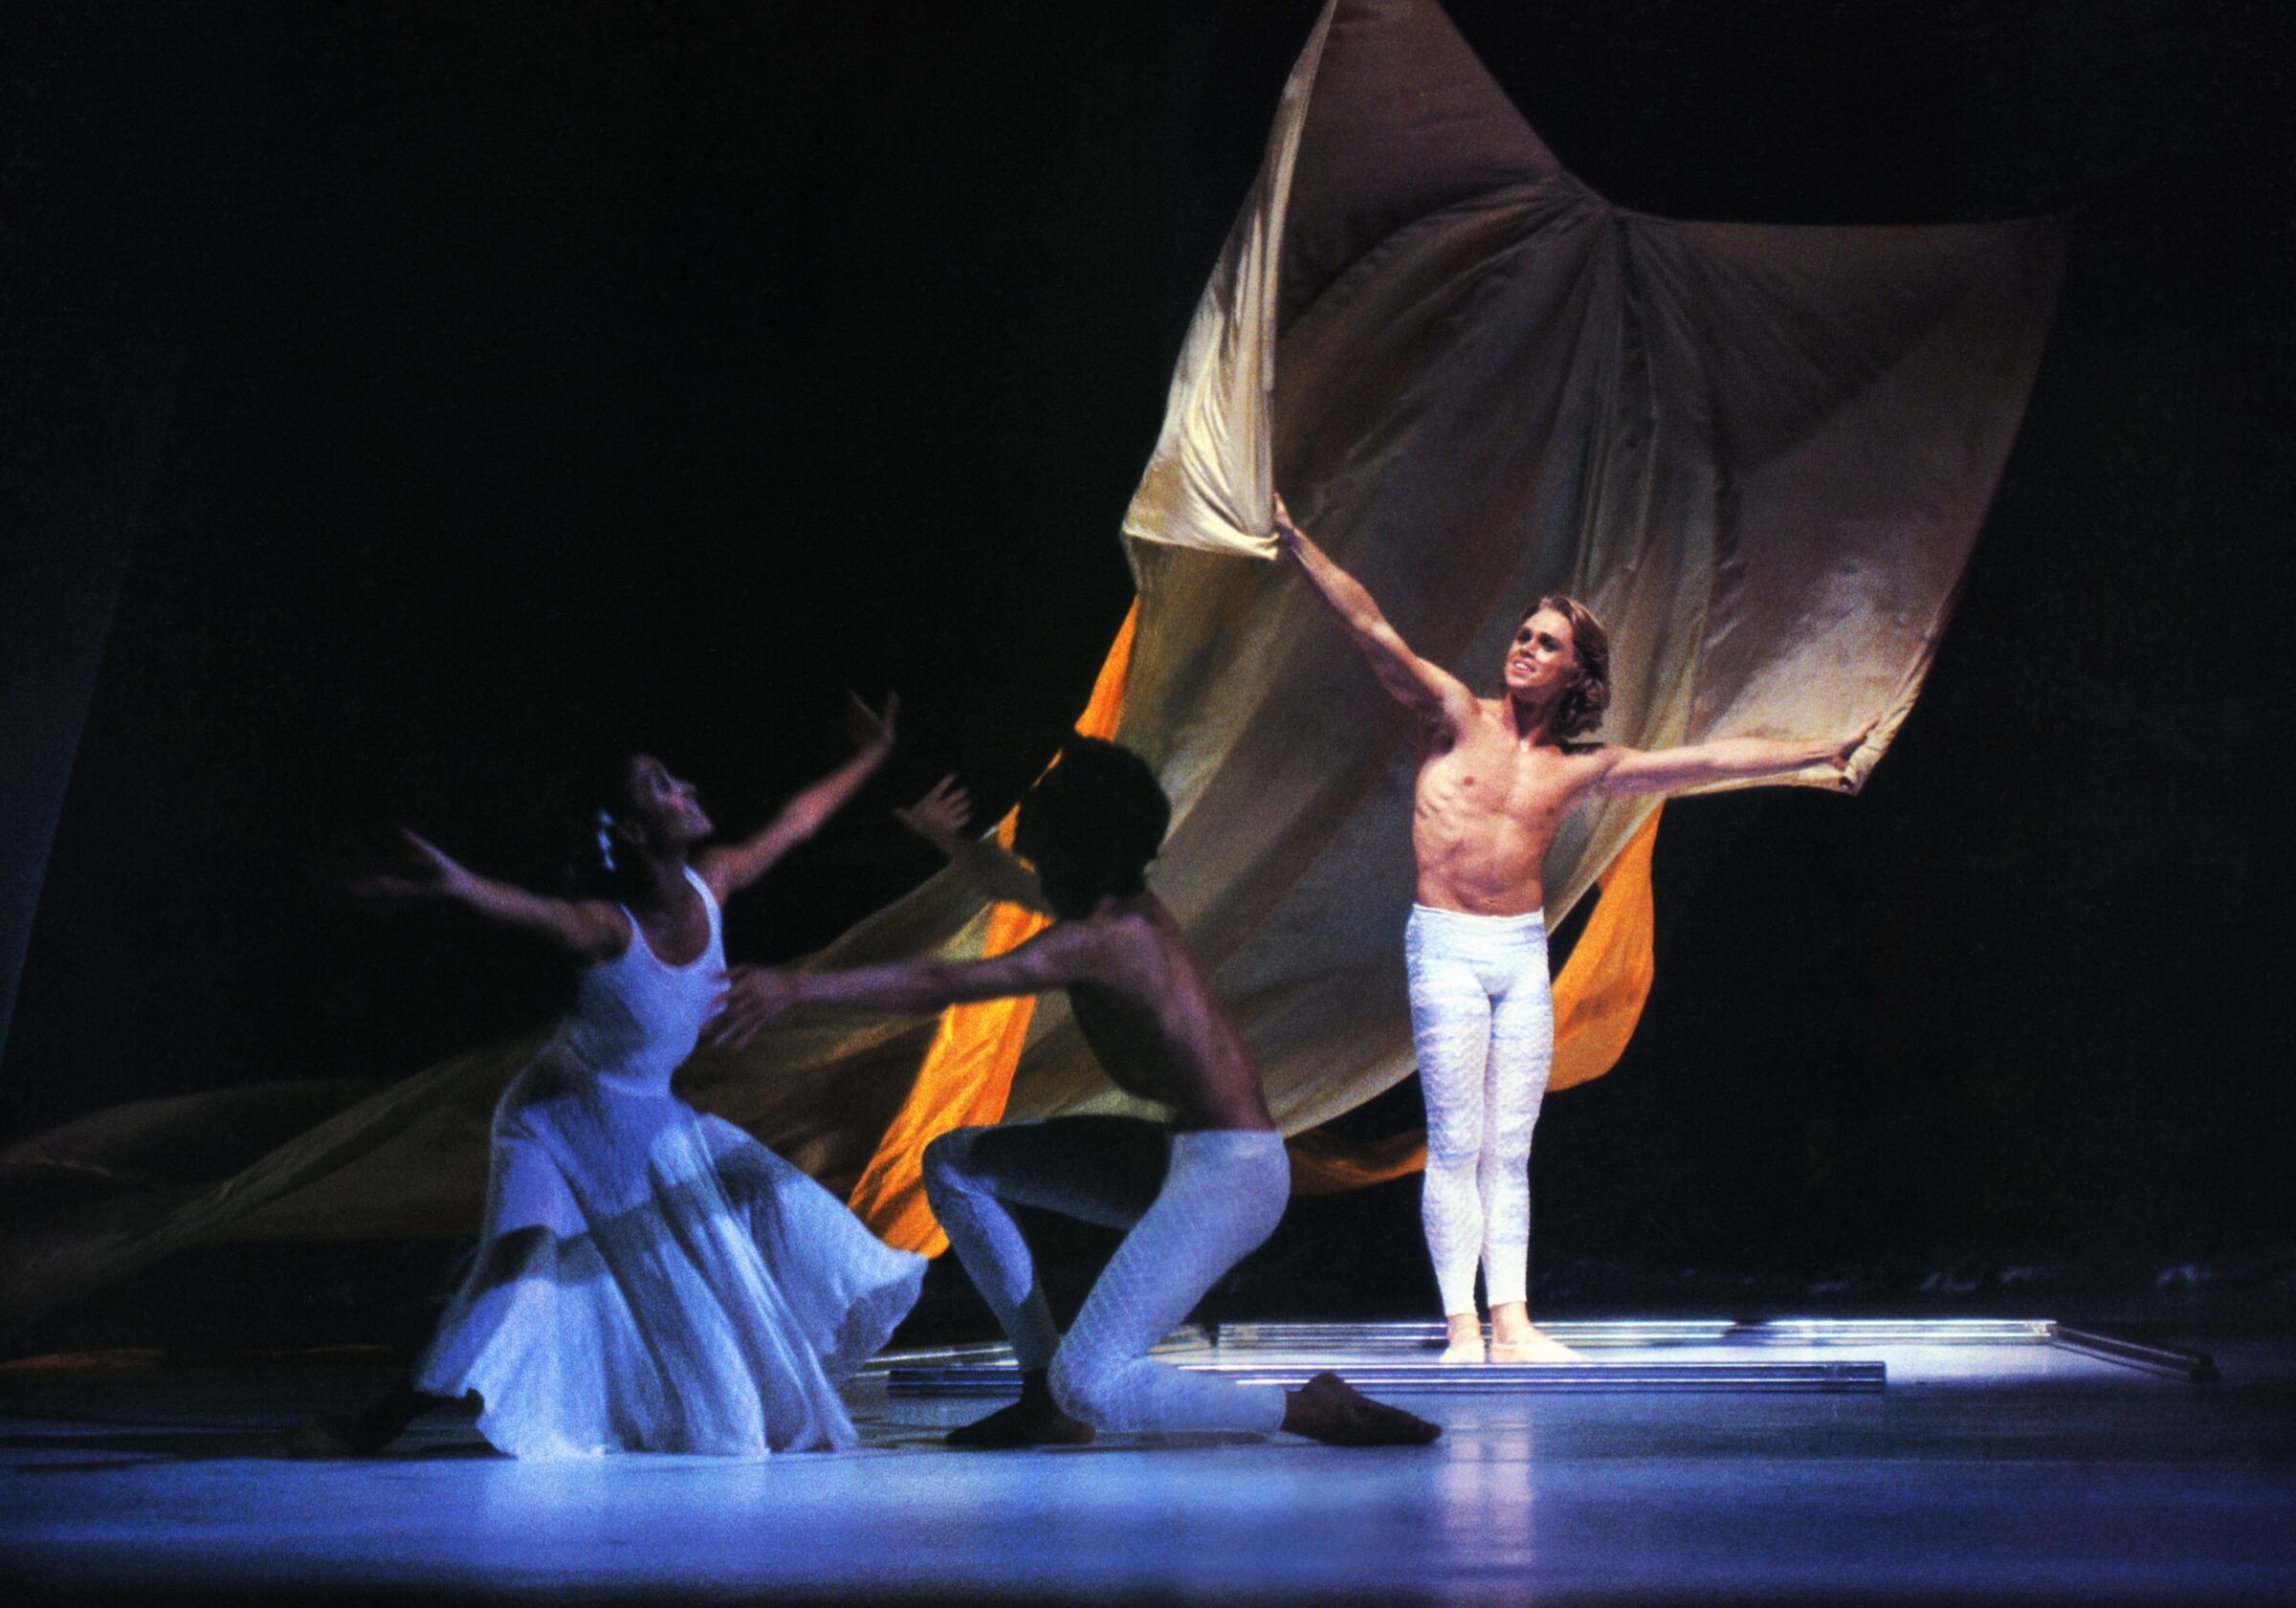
(648, 1278)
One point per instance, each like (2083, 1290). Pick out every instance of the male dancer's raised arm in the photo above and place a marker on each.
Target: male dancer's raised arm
(1439, 698)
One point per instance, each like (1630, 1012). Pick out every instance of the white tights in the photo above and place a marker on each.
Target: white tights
(1197, 1203)
(1483, 1023)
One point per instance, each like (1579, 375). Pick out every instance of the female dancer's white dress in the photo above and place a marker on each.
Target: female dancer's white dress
(651, 1279)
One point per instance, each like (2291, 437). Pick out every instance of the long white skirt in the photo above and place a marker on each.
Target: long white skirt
(650, 1279)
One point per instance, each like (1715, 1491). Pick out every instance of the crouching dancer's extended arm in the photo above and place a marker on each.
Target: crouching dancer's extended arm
(1054, 958)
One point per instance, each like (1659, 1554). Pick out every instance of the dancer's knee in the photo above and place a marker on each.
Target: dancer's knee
(1454, 1147)
(1086, 1386)
(1509, 1150)
(947, 1164)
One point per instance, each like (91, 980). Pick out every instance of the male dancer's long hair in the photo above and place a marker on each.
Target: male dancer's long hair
(1583, 704)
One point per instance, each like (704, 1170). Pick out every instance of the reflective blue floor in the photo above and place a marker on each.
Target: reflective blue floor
(1981, 1474)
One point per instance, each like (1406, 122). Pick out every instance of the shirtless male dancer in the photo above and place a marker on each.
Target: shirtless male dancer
(1198, 1194)
(1496, 778)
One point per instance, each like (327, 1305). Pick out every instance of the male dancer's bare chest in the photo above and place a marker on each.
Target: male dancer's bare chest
(1493, 797)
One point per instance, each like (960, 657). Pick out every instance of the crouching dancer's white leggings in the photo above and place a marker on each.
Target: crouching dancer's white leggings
(1196, 1203)
(1483, 1022)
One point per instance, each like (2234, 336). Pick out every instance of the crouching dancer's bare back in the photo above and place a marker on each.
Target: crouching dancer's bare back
(1197, 1194)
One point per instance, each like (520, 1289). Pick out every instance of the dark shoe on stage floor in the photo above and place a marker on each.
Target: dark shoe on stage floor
(330, 1435)
(1327, 1408)
(1035, 1420)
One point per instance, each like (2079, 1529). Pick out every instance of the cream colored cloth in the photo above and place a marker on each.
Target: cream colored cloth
(1761, 453)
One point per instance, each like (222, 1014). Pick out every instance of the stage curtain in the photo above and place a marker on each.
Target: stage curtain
(1761, 452)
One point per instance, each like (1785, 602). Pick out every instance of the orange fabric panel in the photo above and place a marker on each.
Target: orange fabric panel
(967, 1074)
(963, 1083)
(1598, 1000)
(1599, 995)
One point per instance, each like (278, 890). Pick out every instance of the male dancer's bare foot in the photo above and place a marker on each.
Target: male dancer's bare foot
(1327, 1408)
(1035, 1420)
(1463, 1341)
(1513, 1339)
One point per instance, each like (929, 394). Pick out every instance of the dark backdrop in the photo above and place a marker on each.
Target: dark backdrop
(547, 378)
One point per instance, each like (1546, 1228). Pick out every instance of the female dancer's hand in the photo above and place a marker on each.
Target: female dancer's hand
(425, 871)
(940, 815)
(752, 997)
(872, 730)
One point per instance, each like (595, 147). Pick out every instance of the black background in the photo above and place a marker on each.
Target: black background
(561, 377)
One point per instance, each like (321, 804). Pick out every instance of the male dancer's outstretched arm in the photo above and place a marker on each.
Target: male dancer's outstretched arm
(1629, 771)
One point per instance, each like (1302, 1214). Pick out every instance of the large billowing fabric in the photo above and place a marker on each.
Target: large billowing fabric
(1761, 452)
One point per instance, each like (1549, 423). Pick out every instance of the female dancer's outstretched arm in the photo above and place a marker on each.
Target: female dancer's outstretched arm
(735, 865)
(591, 929)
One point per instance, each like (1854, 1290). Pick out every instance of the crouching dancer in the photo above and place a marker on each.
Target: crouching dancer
(1197, 1195)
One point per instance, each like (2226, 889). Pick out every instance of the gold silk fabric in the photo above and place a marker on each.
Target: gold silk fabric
(1761, 453)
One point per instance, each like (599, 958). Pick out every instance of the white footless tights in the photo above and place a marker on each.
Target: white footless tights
(1483, 1022)
(1193, 1217)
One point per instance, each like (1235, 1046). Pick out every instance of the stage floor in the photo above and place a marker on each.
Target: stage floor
(1983, 1471)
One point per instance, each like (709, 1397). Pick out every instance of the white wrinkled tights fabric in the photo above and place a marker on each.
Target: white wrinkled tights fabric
(1483, 1023)
(1221, 1195)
